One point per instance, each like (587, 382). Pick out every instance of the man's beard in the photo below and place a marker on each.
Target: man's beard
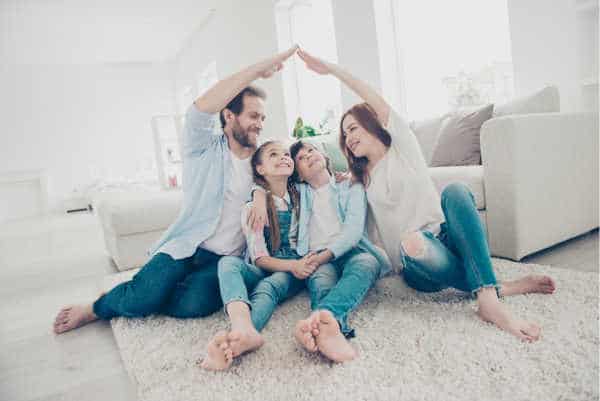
(242, 137)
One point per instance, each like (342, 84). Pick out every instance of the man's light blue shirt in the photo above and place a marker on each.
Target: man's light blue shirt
(350, 202)
(206, 171)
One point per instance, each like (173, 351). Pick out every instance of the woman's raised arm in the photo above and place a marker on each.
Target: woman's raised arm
(362, 89)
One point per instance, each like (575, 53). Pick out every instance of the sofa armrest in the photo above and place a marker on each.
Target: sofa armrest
(540, 178)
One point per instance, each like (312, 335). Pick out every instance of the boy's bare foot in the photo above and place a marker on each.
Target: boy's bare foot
(303, 334)
(72, 317)
(528, 284)
(330, 340)
(219, 355)
(241, 341)
(493, 311)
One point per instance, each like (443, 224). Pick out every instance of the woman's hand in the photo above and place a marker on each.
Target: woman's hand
(362, 89)
(268, 67)
(315, 64)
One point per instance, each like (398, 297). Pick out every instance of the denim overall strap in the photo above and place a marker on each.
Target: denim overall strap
(285, 251)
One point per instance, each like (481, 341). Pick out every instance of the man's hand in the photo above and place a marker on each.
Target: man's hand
(302, 268)
(268, 67)
(314, 63)
(257, 215)
(220, 94)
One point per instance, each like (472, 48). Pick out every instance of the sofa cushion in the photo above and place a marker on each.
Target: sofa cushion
(546, 100)
(458, 142)
(337, 158)
(137, 212)
(471, 176)
(427, 132)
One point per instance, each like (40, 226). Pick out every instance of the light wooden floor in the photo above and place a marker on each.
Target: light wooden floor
(48, 262)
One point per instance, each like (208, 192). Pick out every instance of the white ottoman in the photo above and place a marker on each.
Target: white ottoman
(133, 221)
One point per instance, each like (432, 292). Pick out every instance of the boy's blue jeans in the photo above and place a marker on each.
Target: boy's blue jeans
(340, 285)
(183, 288)
(267, 290)
(459, 256)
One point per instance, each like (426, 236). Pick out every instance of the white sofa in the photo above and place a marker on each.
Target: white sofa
(538, 182)
(540, 173)
(133, 221)
(537, 186)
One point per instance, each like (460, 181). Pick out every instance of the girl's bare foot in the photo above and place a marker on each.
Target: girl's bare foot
(330, 340)
(493, 311)
(528, 284)
(72, 317)
(219, 355)
(241, 341)
(303, 334)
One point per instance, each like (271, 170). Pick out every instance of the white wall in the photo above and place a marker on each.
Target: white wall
(80, 122)
(357, 44)
(544, 49)
(236, 37)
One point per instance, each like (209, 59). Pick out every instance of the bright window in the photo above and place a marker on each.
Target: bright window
(314, 98)
(453, 54)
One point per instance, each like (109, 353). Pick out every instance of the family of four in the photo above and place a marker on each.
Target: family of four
(303, 228)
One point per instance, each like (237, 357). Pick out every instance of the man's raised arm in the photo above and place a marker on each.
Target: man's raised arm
(217, 97)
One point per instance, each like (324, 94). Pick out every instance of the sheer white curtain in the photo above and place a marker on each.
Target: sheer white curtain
(312, 97)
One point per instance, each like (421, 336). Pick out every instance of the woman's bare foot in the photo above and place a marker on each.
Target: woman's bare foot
(72, 317)
(493, 311)
(528, 284)
(330, 340)
(304, 335)
(246, 340)
(219, 355)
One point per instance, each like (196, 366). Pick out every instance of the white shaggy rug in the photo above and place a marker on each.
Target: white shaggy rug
(412, 347)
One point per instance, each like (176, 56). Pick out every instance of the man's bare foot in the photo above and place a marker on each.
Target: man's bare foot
(493, 311)
(528, 284)
(303, 334)
(72, 317)
(330, 340)
(241, 341)
(219, 355)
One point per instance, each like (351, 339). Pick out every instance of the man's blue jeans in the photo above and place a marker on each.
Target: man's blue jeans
(340, 285)
(459, 256)
(184, 288)
(267, 290)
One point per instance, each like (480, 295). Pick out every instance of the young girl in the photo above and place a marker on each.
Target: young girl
(437, 242)
(332, 226)
(272, 271)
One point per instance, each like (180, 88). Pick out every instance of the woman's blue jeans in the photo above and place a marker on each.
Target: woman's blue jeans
(183, 288)
(340, 285)
(459, 256)
(267, 290)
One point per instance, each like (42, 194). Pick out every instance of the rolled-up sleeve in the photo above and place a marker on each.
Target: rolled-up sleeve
(199, 132)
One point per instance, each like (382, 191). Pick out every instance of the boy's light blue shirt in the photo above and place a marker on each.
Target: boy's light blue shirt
(350, 202)
(206, 170)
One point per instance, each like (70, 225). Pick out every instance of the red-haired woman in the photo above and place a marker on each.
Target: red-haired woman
(438, 242)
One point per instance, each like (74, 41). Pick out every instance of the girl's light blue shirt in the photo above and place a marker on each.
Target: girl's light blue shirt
(350, 202)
